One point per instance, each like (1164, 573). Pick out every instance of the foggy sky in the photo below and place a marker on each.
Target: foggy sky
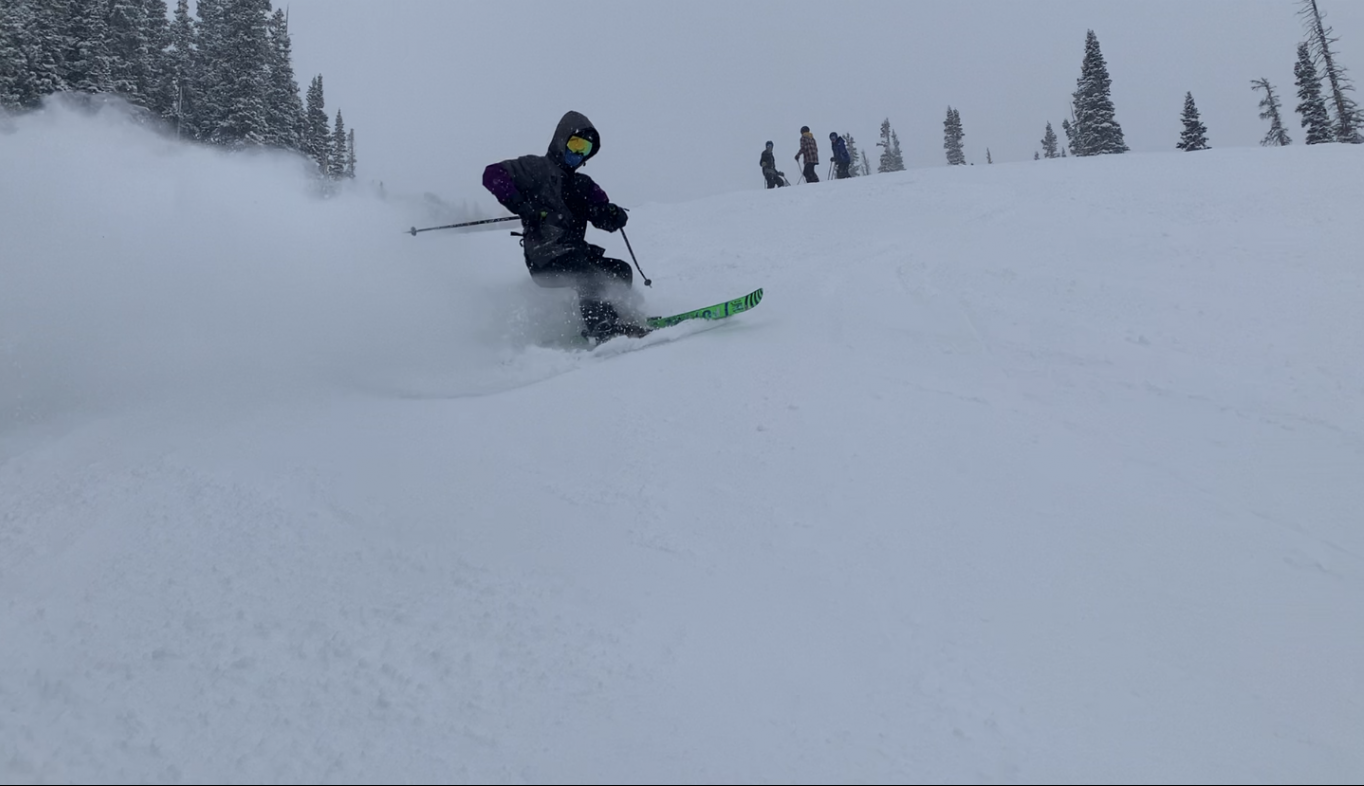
(685, 94)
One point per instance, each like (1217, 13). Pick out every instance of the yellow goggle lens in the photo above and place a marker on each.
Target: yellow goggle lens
(579, 145)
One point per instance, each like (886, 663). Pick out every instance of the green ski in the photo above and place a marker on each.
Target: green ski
(718, 311)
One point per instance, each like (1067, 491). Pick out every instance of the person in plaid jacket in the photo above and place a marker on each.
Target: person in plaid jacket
(810, 149)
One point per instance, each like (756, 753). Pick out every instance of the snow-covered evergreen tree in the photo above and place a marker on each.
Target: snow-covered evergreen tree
(283, 104)
(854, 161)
(1349, 121)
(130, 68)
(181, 60)
(1195, 134)
(989, 159)
(317, 133)
(952, 136)
(337, 168)
(211, 67)
(160, 88)
(33, 47)
(1315, 120)
(350, 154)
(1036, 156)
(86, 58)
(891, 158)
(1070, 136)
(1096, 129)
(15, 39)
(866, 165)
(1049, 142)
(246, 77)
(1277, 136)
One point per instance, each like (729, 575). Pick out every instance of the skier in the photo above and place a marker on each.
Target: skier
(555, 203)
(774, 178)
(841, 157)
(810, 150)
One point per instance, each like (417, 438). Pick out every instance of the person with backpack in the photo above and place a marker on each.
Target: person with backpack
(556, 202)
(768, 163)
(810, 149)
(841, 158)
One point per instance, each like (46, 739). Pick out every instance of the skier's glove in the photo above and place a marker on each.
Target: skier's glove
(529, 214)
(611, 217)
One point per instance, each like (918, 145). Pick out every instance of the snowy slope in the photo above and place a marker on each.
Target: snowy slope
(1045, 472)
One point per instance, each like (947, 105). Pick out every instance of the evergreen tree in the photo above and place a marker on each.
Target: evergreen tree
(1096, 129)
(130, 66)
(15, 39)
(210, 68)
(952, 136)
(988, 158)
(35, 52)
(1036, 156)
(891, 158)
(350, 154)
(1349, 122)
(86, 58)
(1070, 136)
(283, 105)
(1049, 142)
(1277, 135)
(317, 136)
(866, 165)
(30, 53)
(156, 32)
(337, 162)
(181, 59)
(853, 156)
(245, 75)
(1195, 134)
(1315, 121)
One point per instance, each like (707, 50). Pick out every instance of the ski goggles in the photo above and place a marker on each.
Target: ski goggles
(582, 147)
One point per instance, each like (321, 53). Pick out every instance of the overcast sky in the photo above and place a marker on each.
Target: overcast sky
(685, 94)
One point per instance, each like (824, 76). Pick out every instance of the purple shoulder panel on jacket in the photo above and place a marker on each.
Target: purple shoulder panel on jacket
(499, 181)
(597, 196)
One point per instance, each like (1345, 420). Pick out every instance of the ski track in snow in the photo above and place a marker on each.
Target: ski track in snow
(1042, 472)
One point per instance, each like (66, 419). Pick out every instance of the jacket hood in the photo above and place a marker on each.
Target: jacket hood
(573, 123)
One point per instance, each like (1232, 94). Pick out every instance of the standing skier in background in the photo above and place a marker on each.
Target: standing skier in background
(810, 150)
(775, 179)
(555, 203)
(840, 155)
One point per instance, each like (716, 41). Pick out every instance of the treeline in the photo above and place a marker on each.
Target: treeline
(222, 75)
(1327, 109)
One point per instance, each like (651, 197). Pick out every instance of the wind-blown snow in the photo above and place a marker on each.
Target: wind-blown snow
(1043, 472)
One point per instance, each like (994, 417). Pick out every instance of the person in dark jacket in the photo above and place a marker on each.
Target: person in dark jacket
(774, 178)
(810, 150)
(840, 154)
(556, 203)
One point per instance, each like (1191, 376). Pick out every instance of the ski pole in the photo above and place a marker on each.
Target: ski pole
(414, 230)
(647, 282)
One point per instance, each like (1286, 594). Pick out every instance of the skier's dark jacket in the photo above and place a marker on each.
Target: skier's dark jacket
(767, 161)
(554, 201)
(841, 151)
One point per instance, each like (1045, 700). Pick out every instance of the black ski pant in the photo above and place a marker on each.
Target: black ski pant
(591, 275)
(810, 176)
(773, 179)
(841, 170)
